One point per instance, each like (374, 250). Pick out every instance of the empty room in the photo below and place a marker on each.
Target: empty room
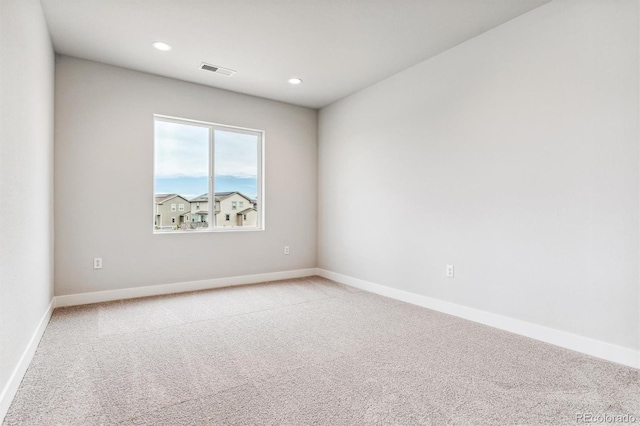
(306, 212)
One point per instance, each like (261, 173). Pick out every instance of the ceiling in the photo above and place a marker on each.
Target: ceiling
(336, 46)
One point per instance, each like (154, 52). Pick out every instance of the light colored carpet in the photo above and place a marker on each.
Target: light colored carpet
(306, 351)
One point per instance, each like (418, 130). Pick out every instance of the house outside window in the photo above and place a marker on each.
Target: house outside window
(223, 164)
(173, 220)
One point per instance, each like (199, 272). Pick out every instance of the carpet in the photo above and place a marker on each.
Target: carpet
(300, 352)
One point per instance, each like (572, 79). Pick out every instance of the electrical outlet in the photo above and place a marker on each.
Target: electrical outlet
(449, 271)
(97, 263)
(286, 250)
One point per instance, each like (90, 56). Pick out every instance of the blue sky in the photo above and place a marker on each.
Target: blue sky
(182, 160)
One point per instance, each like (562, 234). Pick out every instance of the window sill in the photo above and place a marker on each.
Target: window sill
(208, 230)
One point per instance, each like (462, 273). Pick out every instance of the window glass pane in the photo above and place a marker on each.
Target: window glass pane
(181, 176)
(236, 178)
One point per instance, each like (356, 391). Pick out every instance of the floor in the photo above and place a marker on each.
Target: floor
(304, 351)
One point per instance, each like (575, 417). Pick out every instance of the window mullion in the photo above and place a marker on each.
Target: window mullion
(212, 194)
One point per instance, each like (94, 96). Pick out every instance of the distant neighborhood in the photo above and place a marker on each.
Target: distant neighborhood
(232, 209)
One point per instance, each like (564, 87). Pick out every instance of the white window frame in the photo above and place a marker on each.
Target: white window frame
(180, 207)
(173, 207)
(260, 198)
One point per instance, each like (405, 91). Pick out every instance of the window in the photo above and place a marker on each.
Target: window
(173, 220)
(208, 162)
(244, 217)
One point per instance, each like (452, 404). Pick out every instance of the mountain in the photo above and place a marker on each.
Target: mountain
(190, 187)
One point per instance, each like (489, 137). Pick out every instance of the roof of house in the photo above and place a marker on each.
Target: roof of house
(203, 197)
(162, 198)
(247, 210)
(221, 196)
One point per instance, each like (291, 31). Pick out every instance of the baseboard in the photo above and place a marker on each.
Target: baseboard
(156, 290)
(593, 347)
(15, 379)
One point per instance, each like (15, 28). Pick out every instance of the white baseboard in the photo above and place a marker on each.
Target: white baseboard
(560, 338)
(156, 290)
(593, 347)
(15, 379)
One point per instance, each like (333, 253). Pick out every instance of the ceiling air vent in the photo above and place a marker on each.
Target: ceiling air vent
(217, 69)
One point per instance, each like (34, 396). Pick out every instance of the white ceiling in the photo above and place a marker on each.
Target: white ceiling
(336, 46)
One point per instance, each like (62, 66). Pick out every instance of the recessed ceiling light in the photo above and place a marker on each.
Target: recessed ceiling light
(162, 46)
(295, 80)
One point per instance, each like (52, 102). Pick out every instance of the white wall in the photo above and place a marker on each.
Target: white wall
(26, 174)
(104, 182)
(521, 149)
